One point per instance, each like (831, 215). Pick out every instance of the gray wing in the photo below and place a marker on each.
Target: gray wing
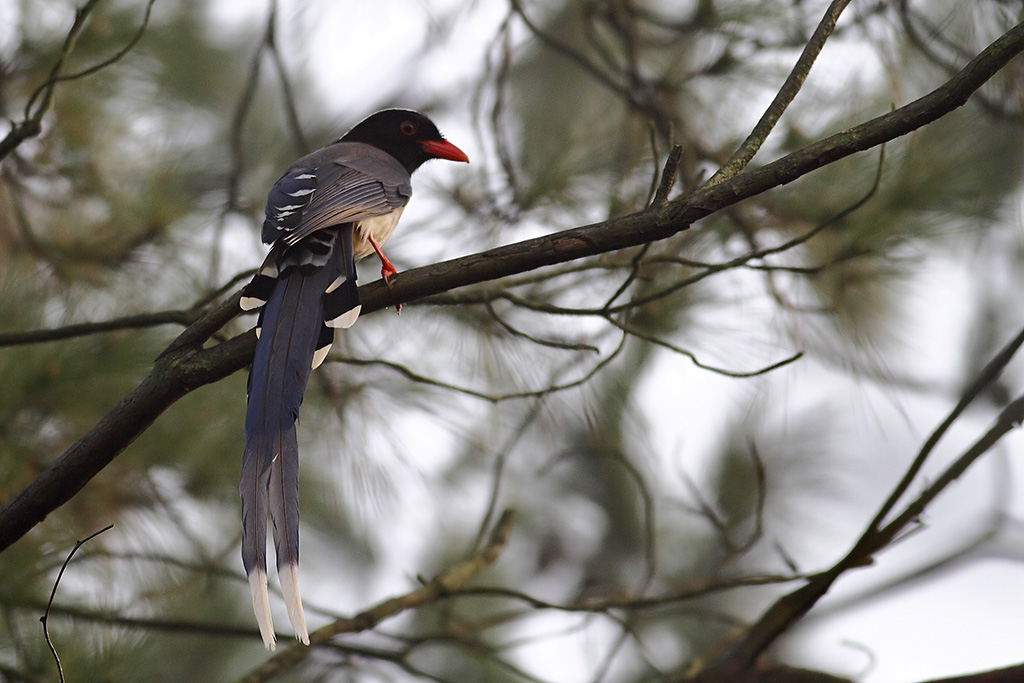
(341, 183)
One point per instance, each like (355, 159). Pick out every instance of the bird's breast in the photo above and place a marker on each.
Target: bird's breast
(379, 228)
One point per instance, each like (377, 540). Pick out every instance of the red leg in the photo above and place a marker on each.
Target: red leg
(386, 269)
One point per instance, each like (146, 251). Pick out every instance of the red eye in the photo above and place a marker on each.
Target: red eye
(407, 128)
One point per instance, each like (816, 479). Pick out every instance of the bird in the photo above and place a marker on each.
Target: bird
(330, 208)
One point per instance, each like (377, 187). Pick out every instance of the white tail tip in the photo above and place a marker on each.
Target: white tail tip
(346, 319)
(261, 607)
(289, 576)
(247, 303)
(320, 355)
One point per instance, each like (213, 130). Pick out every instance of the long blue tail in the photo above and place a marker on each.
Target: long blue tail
(291, 330)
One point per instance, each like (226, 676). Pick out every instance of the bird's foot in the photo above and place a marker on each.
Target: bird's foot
(387, 270)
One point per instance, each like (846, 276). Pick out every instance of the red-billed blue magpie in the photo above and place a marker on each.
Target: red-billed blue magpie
(331, 208)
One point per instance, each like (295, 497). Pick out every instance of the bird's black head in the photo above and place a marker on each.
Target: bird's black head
(406, 135)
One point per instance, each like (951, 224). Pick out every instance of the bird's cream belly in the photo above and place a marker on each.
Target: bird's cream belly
(379, 228)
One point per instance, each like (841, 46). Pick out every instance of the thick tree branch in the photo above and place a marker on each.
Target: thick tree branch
(186, 365)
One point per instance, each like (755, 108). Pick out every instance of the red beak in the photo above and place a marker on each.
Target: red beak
(442, 149)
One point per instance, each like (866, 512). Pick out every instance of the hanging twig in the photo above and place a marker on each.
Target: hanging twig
(53, 593)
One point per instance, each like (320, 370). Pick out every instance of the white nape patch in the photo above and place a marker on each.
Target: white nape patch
(319, 355)
(346, 319)
(289, 576)
(261, 607)
(247, 303)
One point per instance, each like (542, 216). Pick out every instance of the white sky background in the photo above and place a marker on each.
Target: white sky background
(960, 620)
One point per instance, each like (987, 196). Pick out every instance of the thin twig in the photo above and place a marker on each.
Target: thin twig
(40, 100)
(549, 343)
(53, 593)
(634, 273)
(117, 56)
(641, 99)
(491, 398)
(31, 125)
(138, 321)
(291, 111)
(742, 156)
(632, 331)
(985, 377)
(497, 472)
(621, 601)
(668, 175)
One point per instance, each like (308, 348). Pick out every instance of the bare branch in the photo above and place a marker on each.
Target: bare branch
(550, 343)
(636, 94)
(742, 156)
(985, 378)
(922, 111)
(53, 593)
(1010, 674)
(633, 602)
(181, 368)
(443, 584)
(113, 59)
(299, 142)
(40, 100)
(632, 331)
(31, 124)
(668, 175)
(547, 390)
(139, 321)
(791, 607)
